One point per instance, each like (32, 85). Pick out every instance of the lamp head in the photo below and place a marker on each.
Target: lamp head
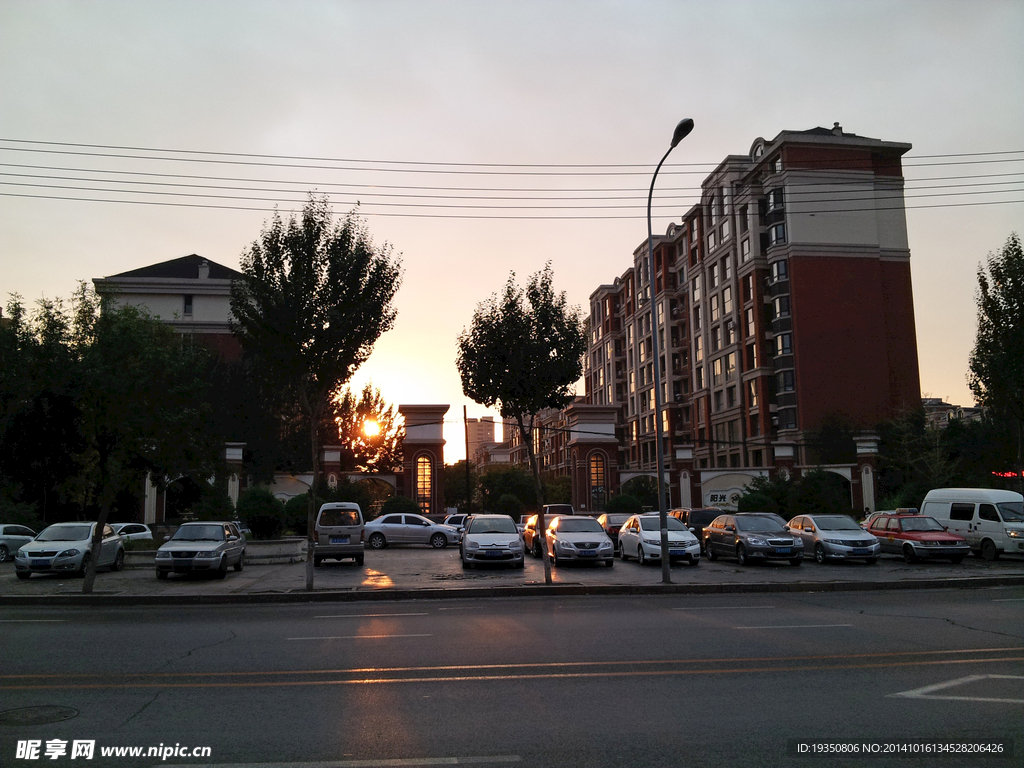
(682, 130)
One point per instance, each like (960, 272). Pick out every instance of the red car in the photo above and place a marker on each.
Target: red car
(916, 537)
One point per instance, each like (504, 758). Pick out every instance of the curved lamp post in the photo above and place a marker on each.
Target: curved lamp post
(681, 131)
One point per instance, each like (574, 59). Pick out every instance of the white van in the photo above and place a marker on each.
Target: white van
(338, 533)
(992, 521)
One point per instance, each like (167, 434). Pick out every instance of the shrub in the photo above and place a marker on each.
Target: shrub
(215, 504)
(624, 504)
(400, 505)
(296, 510)
(262, 512)
(509, 505)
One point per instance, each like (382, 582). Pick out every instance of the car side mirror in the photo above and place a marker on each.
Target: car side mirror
(167, 538)
(731, 528)
(692, 529)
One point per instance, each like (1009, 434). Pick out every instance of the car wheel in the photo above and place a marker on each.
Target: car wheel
(85, 565)
(741, 554)
(223, 570)
(819, 554)
(694, 560)
(641, 556)
(712, 555)
(3, 553)
(536, 549)
(23, 575)
(989, 551)
(161, 575)
(118, 563)
(377, 541)
(521, 563)
(465, 563)
(439, 541)
(554, 558)
(241, 563)
(359, 559)
(908, 554)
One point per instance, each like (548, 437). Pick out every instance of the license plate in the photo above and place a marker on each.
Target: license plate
(676, 552)
(40, 562)
(588, 553)
(339, 539)
(862, 551)
(493, 553)
(783, 550)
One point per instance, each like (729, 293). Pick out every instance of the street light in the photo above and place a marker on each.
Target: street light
(680, 133)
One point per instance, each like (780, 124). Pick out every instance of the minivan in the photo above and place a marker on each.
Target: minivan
(339, 532)
(991, 520)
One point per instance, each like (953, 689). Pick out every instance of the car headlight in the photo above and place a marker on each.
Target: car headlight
(757, 541)
(833, 541)
(160, 555)
(563, 544)
(652, 542)
(515, 545)
(70, 553)
(472, 545)
(207, 554)
(605, 545)
(1013, 533)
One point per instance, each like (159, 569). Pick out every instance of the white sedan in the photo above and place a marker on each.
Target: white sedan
(492, 539)
(640, 537)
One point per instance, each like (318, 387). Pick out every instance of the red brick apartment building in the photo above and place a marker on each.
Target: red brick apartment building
(783, 299)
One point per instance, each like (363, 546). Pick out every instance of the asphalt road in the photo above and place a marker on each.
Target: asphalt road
(683, 680)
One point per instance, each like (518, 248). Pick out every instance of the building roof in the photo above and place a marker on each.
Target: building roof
(184, 268)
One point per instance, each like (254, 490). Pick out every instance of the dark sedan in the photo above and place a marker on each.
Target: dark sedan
(751, 538)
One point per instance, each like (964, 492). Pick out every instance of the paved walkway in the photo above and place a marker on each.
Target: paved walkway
(409, 572)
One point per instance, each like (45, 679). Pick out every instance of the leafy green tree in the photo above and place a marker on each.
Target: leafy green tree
(819, 492)
(625, 504)
(455, 485)
(644, 489)
(509, 505)
(495, 483)
(315, 298)
(400, 505)
(262, 511)
(996, 365)
(522, 353)
(141, 405)
(767, 494)
(368, 431)
(557, 489)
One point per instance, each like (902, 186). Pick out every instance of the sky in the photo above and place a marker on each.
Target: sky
(482, 138)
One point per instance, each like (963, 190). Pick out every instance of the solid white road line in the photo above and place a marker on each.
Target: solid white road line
(927, 691)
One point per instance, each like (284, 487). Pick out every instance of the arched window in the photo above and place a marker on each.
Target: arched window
(424, 494)
(598, 489)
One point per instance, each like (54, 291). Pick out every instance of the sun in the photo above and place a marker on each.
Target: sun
(371, 428)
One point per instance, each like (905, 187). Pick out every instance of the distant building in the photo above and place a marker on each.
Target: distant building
(938, 413)
(479, 431)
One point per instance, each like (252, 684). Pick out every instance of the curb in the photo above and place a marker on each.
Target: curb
(538, 590)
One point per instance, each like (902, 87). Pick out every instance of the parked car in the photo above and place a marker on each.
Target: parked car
(612, 523)
(550, 510)
(770, 515)
(491, 539)
(991, 520)
(242, 528)
(521, 525)
(866, 522)
(338, 532)
(133, 531)
(532, 538)
(458, 522)
(12, 537)
(916, 537)
(834, 536)
(208, 547)
(408, 529)
(67, 548)
(751, 538)
(640, 537)
(572, 538)
(696, 519)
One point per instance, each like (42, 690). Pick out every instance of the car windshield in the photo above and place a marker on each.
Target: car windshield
(579, 525)
(755, 523)
(654, 524)
(616, 519)
(493, 525)
(1012, 511)
(921, 524)
(199, 533)
(837, 523)
(66, 533)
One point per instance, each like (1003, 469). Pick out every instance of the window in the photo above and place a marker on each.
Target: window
(748, 288)
(730, 366)
(776, 164)
(698, 377)
(711, 240)
(713, 277)
(780, 270)
(781, 306)
(716, 338)
(775, 199)
(730, 332)
(424, 484)
(752, 394)
(695, 289)
(785, 381)
(727, 300)
(716, 372)
(698, 349)
(784, 344)
(718, 406)
(787, 418)
(696, 318)
(777, 234)
(751, 357)
(726, 230)
(745, 224)
(597, 482)
(730, 397)
(713, 209)
(750, 322)
(715, 311)
(188, 306)
(745, 250)
(727, 268)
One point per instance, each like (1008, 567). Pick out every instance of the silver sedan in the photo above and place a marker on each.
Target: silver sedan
(67, 547)
(835, 536)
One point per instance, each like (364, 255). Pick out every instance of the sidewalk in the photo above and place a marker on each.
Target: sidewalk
(400, 573)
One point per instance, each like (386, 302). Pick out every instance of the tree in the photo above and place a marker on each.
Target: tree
(498, 482)
(315, 298)
(455, 492)
(996, 376)
(369, 432)
(523, 353)
(141, 403)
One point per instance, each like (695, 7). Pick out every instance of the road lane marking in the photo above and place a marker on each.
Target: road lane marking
(515, 672)
(1007, 599)
(355, 637)
(795, 626)
(725, 608)
(927, 691)
(402, 762)
(31, 621)
(371, 615)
